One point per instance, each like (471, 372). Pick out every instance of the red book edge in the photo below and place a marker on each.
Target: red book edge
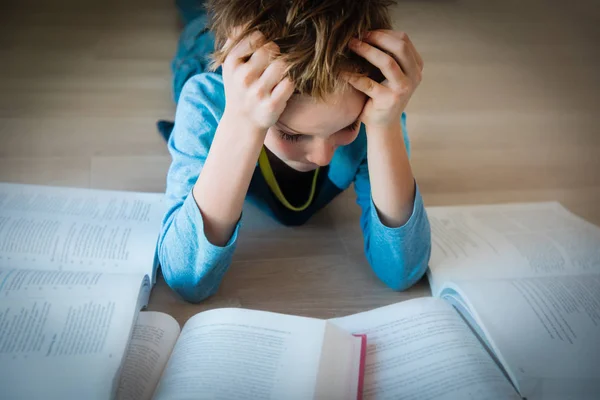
(361, 368)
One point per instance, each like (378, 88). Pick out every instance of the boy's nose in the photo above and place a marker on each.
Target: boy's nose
(322, 153)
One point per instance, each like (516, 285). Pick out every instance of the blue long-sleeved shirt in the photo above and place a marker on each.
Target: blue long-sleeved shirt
(193, 266)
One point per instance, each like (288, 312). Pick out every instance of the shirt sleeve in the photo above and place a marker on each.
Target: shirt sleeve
(191, 265)
(399, 256)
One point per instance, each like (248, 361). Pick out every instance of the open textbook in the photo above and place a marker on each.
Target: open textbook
(76, 266)
(417, 349)
(241, 354)
(60, 228)
(527, 279)
(64, 335)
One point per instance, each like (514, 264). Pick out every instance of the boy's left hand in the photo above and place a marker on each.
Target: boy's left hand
(402, 68)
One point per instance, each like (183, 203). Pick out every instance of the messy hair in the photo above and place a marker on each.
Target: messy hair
(312, 35)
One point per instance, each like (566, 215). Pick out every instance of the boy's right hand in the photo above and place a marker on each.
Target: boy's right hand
(256, 91)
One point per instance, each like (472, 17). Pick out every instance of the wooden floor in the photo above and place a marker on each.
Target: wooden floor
(507, 111)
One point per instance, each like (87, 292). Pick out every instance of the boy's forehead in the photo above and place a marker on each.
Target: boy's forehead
(337, 111)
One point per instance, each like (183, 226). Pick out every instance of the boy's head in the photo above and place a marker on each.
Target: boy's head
(313, 37)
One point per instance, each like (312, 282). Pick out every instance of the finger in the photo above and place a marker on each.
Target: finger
(257, 64)
(271, 77)
(416, 54)
(401, 51)
(262, 57)
(386, 63)
(283, 91)
(419, 74)
(366, 85)
(235, 32)
(239, 54)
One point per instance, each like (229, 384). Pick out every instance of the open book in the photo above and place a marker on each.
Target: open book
(60, 228)
(241, 354)
(527, 279)
(64, 335)
(418, 349)
(76, 266)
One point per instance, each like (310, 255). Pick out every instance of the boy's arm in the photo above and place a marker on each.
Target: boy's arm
(191, 264)
(222, 186)
(210, 174)
(399, 254)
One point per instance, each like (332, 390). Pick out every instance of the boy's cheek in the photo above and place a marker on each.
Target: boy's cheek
(347, 137)
(291, 151)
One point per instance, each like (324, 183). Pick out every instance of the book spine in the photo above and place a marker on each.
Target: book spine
(361, 369)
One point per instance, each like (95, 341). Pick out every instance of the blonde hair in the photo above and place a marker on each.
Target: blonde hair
(312, 35)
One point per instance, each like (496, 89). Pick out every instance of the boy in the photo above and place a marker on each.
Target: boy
(296, 111)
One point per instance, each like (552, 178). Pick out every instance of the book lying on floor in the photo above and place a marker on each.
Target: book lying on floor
(527, 278)
(64, 335)
(416, 349)
(76, 267)
(61, 228)
(241, 354)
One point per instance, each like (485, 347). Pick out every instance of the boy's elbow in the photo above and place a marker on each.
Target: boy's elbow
(191, 287)
(193, 283)
(401, 273)
(191, 266)
(400, 281)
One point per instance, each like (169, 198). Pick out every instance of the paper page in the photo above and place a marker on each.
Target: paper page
(422, 349)
(154, 336)
(545, 329)
(52, 228)
(236, 353)
(504, 241)
(64, 335)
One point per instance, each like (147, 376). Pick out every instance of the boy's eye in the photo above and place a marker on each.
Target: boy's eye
(290, 138)
(295, 138)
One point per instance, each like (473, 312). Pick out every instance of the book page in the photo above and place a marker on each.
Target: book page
(52, 228)
(514, 240)
(67, 332)
(546, 330)
(154, 336)
(236, 353)
(422, 349)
